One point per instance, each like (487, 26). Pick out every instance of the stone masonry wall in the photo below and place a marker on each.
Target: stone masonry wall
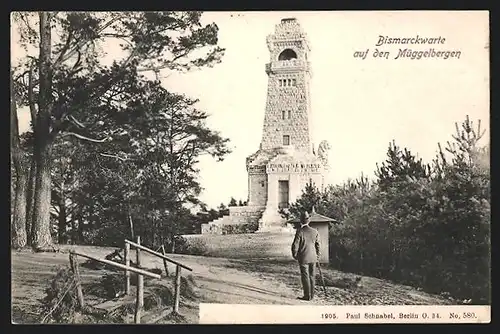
(287, 105)
(245, 214)
(257, 189)
(287, 112)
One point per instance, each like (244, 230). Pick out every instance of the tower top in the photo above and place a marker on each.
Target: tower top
(286, 32)
(286, 121)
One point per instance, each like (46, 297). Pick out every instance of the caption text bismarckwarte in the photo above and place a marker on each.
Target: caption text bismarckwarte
(412, 48)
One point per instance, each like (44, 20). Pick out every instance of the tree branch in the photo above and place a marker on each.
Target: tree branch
(114, 156)
(84, 138)
(167, 64)
(76, 122)
(65, 47)
(82, 43)
(31, 99)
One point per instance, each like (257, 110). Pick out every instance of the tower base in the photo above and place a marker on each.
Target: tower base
(272, 221)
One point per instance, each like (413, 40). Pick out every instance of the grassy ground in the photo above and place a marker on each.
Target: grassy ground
(244, 246)
(252, 275)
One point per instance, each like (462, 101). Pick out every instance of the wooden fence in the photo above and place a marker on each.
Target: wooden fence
(178, 268)
(130, 269)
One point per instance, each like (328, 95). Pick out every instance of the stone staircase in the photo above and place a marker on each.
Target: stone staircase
(220, 221)
(269, 222)
(237, 216)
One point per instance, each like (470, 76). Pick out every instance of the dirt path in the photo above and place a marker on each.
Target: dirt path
(278, 282)
(218, 280)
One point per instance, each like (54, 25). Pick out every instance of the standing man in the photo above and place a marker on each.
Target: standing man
(305, 249)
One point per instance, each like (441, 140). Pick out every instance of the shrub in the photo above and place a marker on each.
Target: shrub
(187, 288)
(191, 246)
(427, 225)
(60, 299)
(240, 228)
(112, 284)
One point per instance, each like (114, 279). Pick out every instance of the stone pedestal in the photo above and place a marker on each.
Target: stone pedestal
(271, 220)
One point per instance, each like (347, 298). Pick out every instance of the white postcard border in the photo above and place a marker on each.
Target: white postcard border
(325, 314)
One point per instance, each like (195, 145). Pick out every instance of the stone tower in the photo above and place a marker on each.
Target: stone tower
(285, 161)
(286, 120)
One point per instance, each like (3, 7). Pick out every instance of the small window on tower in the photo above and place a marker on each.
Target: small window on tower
(294, 82)
(286, 140)
(289, 82)
(281, 82)
(289, 114)
(283, 114)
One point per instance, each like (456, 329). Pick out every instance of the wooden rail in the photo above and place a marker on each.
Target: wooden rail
(164, 261)
(152, 252)
(73, 262)
(139, 300)
(178, 268)
(119, 265)
(139, 305)
(128, 269)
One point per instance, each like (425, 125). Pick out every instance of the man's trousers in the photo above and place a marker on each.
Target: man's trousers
(308, 278)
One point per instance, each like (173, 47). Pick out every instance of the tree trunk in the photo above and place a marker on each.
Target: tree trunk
(42, 239)
(172, 238)
(19, 215)
(131, 224)
(80, 230)
(74, 232)
(153, 233)
(61, 226)
(19, 236)
(12, 188)
(30, 199)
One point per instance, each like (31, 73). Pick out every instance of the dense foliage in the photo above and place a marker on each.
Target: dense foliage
(421, 224)
(114, 153)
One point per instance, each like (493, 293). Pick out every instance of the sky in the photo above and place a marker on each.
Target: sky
(358, 105)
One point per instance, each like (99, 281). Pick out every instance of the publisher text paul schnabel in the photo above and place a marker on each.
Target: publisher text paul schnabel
(409, 53)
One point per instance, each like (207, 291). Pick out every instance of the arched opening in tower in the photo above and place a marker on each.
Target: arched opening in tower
(287, 54)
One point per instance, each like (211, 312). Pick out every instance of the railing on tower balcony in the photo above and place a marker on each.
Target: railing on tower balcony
(291, 65)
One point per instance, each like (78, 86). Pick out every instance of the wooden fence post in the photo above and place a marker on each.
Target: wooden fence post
(76, 271)
(127, 273)
(140, 287)
(164, 261)
(177, 288)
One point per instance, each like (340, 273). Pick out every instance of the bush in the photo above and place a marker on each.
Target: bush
(240, 228)
(112, 284)
(188, 285)
(61, 298)
(423, 225)
(191, 246)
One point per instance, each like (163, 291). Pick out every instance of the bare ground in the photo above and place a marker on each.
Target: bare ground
(218, 280)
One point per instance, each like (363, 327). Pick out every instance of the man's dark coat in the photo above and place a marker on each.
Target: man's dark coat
(306, 245)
